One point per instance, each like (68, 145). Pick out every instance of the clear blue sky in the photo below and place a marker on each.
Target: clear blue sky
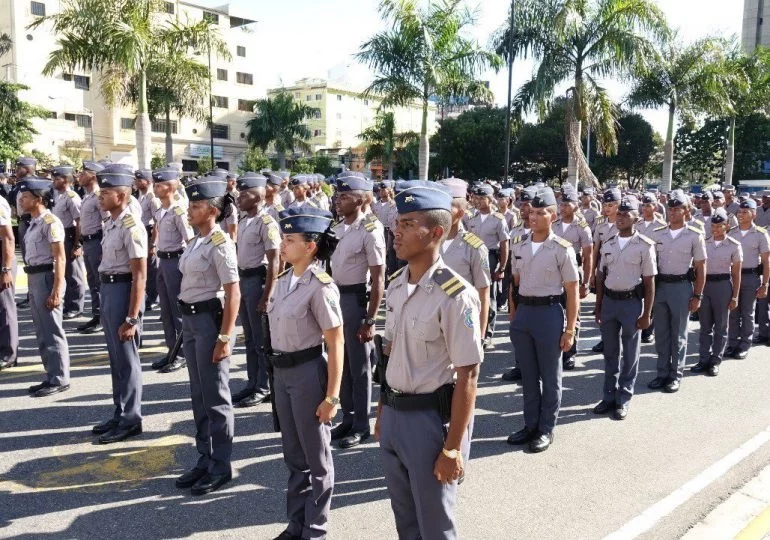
(310, 38)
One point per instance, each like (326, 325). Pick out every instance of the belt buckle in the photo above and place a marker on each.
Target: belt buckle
(192, 309)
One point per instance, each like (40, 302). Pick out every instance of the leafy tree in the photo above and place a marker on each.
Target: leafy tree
(752, 151)
(72, 152)
(408, 161)
(701, 153)
(44, 160)
(253, 160)
(158, 159)
(425, 53)
(382, 140)
(205, 164)
(279, 121)
(636, 146)
(6, 43)
(539, 151)
(16, 129)
(322, 163)
(301, 166)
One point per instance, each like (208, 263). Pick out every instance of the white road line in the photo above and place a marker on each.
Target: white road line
(647, 519)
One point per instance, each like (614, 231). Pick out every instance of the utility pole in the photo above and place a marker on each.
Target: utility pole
(510, 88)
(211, 112)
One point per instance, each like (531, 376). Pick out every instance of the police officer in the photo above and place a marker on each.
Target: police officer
(650, 218)
(272, 202)
(432, 332)
(299, 186)
(150, 204)
(386, 212)
(25, 166)
(358, 258)
(44, 261)
(755, 278)
(286, 195)
(122, 274)
(603, 231)
(625, 291)
(67, 208)
(545, 272)
(171, 235)
(731, 205)
(679, 247)
(91, 237)
(259, 240)
(304, 311)
(763, 307)
(9, 324)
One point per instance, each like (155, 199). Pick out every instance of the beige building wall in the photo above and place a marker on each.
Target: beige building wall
(65, 96)
(756, 24)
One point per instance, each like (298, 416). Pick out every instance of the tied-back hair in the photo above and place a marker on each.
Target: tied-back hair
(225, 206)
(326, 242)
(46, 195)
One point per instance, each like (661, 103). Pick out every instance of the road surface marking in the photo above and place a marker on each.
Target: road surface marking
(758, 528)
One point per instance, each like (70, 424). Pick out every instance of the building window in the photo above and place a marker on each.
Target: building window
(82, 120)
(317, 114)
(190, 165)
(244, 78)
(37, 9)
(240, 50)
(316, 133)
(246, 105)
(159, 126)
(223, 165)
(366, 102)
(212, 18)
(296, 95)
(318, 97)
(128, 123)
(66, 76)
(220, 131)
(339, 97)
(82, 82)
(221, 74)
(220, 101)
(170, 8)
(51, 114)
(308, 97)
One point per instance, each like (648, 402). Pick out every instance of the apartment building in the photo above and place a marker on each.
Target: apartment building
(756, 30)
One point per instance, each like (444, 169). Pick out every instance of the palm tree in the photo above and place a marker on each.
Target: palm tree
(579, 42)
(686, 79)
(383, 141)
(5, 43)
(280, 121)
(119, 39)
(423, 55)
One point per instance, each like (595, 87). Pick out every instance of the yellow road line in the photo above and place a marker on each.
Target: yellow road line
(758, 528)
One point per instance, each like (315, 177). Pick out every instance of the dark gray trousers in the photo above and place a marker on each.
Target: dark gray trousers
(535, 333)
(672, 313)
(74, 276)
(356, 388)
(151, 292)
(125, 366)
(210, 393)
(741, 328)
(763, 318)
(619, 326)
(51, 340)
(713, 316)
(9, 321)
(169, 283)
(92, 256)
(306, 446)
(256, 362)
(495, 288)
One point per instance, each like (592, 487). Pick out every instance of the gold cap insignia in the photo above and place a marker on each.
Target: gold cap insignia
(287, 226)
(409, 198)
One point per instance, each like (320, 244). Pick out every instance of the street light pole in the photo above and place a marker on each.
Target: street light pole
(510, 88)
(211, 112)
(93, 147)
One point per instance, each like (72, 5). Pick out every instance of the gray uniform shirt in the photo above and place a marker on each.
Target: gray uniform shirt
(721, 257)
(431, 331)
(299, 204)
(468, 256)
(256, 236)
(135, 208)
(124, 239)
(43, 231)
(299, 315)
(590, 216)
(67, 207)
(624, 268)
(511, 219)
(287, 197)
(763, 216)
(544, 273)
(754, 243)
(387, 213)
(5, 213)
(604, 230)
(173, 229)
(361, 246)
(676, 255)
(492, 230)
(647, 228)
(91, 216)
(149, 203)
(578, 233)
(274, 209)
(207, 266)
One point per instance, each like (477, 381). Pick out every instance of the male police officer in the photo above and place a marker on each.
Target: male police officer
(25, 167)
(67, 208)
(9, 324)
(149, 204)
(763, 307)
(91, 237)
(426, 406)
(605, 229)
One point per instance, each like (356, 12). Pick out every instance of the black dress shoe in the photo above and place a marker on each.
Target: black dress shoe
(118, 434)
(568, 364)
(104, 427)
(620, 412)
(599, 347)
(92, 326)
(286, 535)
(51, 389)
(188, 479)
(23, 304)
(694, 316)
(340, 430)
(603, 407)
(235, 398)
(486, 343)
(251, 400)
(67, 315)
(210, 482)
(760, 340)
(36, 387)
(512, 375)
(523, 436)
(741, 355)
(7, 363)
(713, 370)
(700, 367)
(647, 338)
(354, 439)
(672, 386)
(729, 352)
(160, 363)
(657, 383)
(541, 442)
(176, 365)
(149, 306)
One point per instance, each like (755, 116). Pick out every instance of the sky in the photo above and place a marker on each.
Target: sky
(318, 38)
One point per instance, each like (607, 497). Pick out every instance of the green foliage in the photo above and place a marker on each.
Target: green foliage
(16, 116)
(72, 152)
(253, 160)
(540, 150)
(700, 153)
(752, 147)
(158, 159)
(636, 146)
(6, 43)
(382, 141)
(205, 164)
(322, 163)
(44, 161)
(301, 166)
(407, 161)
(279, 121)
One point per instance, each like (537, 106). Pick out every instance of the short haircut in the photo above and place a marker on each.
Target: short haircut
(439, 218)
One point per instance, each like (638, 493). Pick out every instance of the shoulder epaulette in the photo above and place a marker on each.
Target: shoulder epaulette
(601, 220)
(322, 276)
(468, 213)
(517, 239)
(731, 239)
(218, 238)
(660, 228)
(267, 219)
(311, 203)
(289, 269)
(128, 221)
(562, 242)
(761, 229)
(647, 240)
(371, 226)
(498, 215)
(449, 282)
(49, 218)
(395, 274)
(178, 210)
(71, 194)
(582, 224)
(695, 229)
(278, 207)
(371, 218)
(473, 240)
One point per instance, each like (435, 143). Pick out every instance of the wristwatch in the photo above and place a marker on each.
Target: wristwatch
(451, 454)
(698, 296)
(223, 338)
(132, 321)
(368, 321)
(332, 400)
(570, 332)
(4, 269)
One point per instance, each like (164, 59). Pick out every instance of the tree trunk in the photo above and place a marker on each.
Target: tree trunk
(390, 170)
(169, 143)
(143, 127)
(424, 143)
(730, 154)
(668, 152)
(573, 173)
(282, 161)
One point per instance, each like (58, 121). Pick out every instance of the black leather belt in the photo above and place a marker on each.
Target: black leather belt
(260, 271)
(673, 278)
(718, 277)
(756, 271)
(170, 254)
(69, 230)
(26, 218)
(494, 251)
(115, 278)
(95, 236)
(291, 359)
(540, 300)
(38, 268)
(417, 402)
(358, 288)
(620, 295)
(206, 306)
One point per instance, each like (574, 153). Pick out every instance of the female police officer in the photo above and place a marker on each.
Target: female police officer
(303, 312)
(44, 258)
(208, 266)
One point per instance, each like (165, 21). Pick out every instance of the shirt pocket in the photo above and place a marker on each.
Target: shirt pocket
(427, 337)
(201, 269)
(296, 323)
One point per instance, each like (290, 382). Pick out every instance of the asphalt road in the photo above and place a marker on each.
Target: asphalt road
(598, 475)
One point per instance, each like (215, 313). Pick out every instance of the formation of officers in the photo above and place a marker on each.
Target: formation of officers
(306, 275)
